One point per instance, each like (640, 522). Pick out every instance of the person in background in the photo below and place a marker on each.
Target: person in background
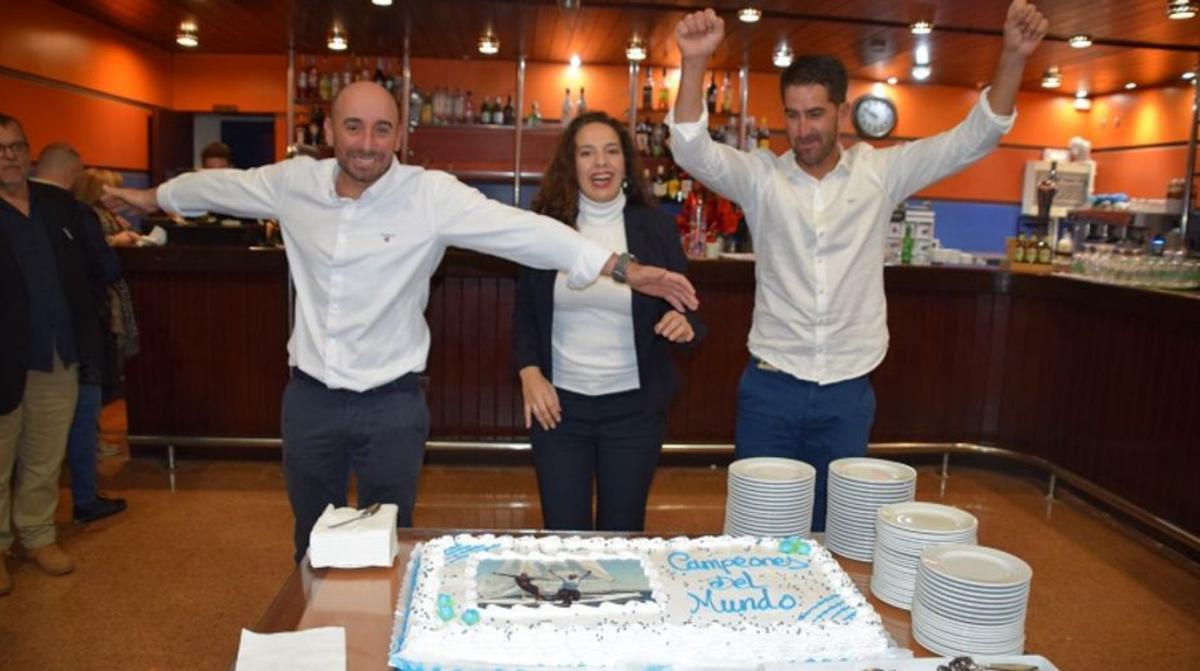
(49, 333)
(364, 234)
(216, 155)
(88, 188)
(595, 365)
(59, 164)
(816, 214)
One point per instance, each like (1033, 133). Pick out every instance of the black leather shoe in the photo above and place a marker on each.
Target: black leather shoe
(99, 509)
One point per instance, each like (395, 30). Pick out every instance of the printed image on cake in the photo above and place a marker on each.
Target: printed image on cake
(531, 583)
(488, 602)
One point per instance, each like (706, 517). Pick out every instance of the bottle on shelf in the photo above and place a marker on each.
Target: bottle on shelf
(906, 246)
(509, 116)
(427, 109)
(1019, 249)
(673, 184)
(415, 103)
(468, 109)
(751, 141)
(325, 86)
(685, 185)
(642, 137)
(581, 104)
(664, 93)
(347, 74)
(727, 95)
(316, 126)
(459, 101)
(535, 114)
(300, 135)
(660, 184)
(313, 77)
(302, 84)
(364, 71)
(658, 139)
(1045, 252)
(648, 90)
(566, 108)
(764, 135)
(485, 111)
(379, 77)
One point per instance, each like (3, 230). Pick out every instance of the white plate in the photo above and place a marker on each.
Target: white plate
(866, 469)
(930, 518)
(977, 565)
(772, 469)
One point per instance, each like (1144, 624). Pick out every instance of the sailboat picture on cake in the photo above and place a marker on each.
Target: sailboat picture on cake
(561, 583)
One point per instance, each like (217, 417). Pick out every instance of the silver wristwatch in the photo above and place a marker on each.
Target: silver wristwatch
(622, 267)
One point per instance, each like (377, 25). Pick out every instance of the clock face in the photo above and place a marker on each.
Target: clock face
(874, 117)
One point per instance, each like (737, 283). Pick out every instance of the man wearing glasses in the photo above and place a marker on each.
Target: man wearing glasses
(50, 331)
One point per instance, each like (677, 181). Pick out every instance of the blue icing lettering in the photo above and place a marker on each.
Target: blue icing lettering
(682, 562)
(456, 553)
(759, 602)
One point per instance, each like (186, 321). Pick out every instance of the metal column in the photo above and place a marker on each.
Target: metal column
(520, 111)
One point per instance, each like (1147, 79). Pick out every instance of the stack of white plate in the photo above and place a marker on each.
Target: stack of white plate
(902, 531)
(971, 600)
(858, 486)
(769, 496)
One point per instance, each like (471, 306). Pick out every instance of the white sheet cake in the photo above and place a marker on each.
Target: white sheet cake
(714, 602)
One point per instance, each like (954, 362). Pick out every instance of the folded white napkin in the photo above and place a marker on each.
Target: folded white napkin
(370, 541)
(322, 649)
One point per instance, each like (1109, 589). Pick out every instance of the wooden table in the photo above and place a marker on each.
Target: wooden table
(364, 602)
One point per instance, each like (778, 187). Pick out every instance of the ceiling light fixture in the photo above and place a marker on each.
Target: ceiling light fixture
(1082, 104)
(188, 35)
(921, 72)
(1130, 86)
(635, 49)
(576, 62)
(1080, 41)
(922, 28)
(782, 56)
(337, 40)
(749, 14)
(892, 81)
(1181, 9)
(1051, 79)
(489, 44)
(1081, 93)
(1189, 75)
(382, 3)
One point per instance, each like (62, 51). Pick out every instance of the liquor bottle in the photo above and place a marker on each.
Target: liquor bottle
(673, 184)
(685, 185)
(313, 78)
(485, 111)
(380, 78)
(1019, 249)
(581, 104)
(459, 106)
(642, 137)
(347, 74)
(535, 114)
(727, 95)
(906, 246)
(566, 108)
(510, 115)
(660, 184)
(664, 93)
(751, 141)
(1045, 253)
(427, 109)
(364, 72)
(325, 86)
(648, 89)
(711, 96)
(302, 84)
(469, 109)
(389, 82)
(316, 126)
(764, 135)
(301, 134)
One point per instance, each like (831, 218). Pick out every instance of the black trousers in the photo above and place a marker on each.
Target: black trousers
(379, 433)
(611, 442)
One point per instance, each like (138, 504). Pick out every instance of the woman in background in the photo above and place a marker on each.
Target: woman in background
(595, 364)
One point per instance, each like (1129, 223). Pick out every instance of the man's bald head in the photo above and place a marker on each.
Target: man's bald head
(59, 163)
(365, 128)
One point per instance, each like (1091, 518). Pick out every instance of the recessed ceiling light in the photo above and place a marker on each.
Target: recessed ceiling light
(1082, 104)
(1190, 74)
(1130, 86)
(1181, 9)
(1051, 79)
(1080, 41)
(382, 3)
(188, 35)
(921, 72)
(782, 56)
(892, 81)
(337, 40)
(749, 14)
(489, 44)
(635, 49)
(1081, 93)
(921, 28)
(576, 61)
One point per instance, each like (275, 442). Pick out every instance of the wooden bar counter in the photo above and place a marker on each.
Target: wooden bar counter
(1096, 383)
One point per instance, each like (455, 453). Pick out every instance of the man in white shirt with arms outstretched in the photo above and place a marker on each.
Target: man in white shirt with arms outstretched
(364, 234)
(818, 215)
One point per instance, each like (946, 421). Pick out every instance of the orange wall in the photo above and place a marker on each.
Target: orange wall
(1141, 173)
(105, 132)
(1140, 118)
(250, 83)
(46, 40)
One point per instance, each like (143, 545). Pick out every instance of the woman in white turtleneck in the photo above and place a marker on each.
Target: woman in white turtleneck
(595, 364)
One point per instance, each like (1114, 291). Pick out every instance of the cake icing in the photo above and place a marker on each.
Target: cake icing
(714, 602)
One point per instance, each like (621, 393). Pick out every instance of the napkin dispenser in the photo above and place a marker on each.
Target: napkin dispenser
(348, 538)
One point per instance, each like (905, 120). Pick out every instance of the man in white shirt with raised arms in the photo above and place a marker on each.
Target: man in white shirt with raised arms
(818, 215)
(363, 235)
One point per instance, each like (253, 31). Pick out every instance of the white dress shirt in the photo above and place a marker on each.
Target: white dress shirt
(819, 308)
(361, 267)
(592, 350)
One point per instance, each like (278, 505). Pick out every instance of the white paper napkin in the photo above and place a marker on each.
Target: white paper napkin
(321, 649)
(370, 541)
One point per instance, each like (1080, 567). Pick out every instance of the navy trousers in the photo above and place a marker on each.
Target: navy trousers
(379, 434)
(782, 416)
(611, 442)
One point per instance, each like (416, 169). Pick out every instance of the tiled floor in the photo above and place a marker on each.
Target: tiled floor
(168, 584)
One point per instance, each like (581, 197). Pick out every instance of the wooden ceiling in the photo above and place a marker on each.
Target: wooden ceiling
(1135, 41)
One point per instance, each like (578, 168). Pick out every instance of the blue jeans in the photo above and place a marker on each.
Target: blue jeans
(81, 445)
(783, 416)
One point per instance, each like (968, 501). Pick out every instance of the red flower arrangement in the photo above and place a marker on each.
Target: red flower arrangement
(720, 216)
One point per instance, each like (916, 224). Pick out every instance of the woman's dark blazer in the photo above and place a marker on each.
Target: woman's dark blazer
(652, 237)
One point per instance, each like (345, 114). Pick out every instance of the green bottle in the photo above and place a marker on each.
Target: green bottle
(906, 246)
